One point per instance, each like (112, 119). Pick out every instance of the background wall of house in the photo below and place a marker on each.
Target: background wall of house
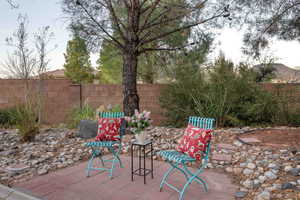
(60, 96)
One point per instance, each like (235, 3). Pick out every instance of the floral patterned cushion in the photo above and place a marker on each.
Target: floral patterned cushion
(194, 141)
(108, 129)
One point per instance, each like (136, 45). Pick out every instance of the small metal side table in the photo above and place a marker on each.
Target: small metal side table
(142, 171)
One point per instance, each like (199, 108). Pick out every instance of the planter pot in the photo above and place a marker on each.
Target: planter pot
(141, 138)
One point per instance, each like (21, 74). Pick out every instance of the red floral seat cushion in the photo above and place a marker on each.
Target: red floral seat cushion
(194, 141)
(108, 129)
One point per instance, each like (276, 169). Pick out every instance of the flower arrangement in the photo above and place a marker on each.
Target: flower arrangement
(139, 121)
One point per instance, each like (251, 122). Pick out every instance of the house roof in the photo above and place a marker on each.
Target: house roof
(58, 73)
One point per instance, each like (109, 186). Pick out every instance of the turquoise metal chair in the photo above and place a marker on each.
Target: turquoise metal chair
(114, 147)
(179, 161)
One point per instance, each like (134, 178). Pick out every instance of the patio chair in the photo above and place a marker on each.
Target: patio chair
(113, 144)
(179, 160)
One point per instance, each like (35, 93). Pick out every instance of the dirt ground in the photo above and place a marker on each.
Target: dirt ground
(289, 137)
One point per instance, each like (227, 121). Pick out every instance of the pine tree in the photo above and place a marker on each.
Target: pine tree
(77, 61)
(110, 64)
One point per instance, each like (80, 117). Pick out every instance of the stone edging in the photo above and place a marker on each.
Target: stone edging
(7, 193)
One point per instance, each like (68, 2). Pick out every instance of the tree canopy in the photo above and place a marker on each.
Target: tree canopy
(77, 64)
(139, 26)
(266, 19)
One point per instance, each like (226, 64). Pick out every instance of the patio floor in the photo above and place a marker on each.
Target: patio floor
(72, 184)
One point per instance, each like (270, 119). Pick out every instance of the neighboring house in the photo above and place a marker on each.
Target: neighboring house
(55, 74)
(60, 74)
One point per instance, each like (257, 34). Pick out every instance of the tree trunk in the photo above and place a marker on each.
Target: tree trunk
(131, 98)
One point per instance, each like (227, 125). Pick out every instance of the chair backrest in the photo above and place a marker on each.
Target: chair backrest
(205, 123)
(111, 114)
(115, 115)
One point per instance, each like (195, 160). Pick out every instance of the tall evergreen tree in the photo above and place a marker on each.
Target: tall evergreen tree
(98, 19)
(77, 61)
(110, 64)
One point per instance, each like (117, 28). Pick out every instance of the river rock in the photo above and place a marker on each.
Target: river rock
(240, 194)
(251, 165)
(286, 186)
(265, 195)
(248, 171)
(270, 175)
(294, 171)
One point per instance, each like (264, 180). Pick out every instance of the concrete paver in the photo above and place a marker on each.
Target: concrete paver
(4, 191)
(72, 184)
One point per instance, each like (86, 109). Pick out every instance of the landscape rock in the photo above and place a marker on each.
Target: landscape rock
(265, 195)
(286, 186)
(288, 168)
(248, 171)
(240, 194)
(248, 184)
(16, 169)
(237, 143)
(294, 171)
(87, 129)
(42, 171)
(273, 166)
(257, 169)
(262, 179)
(270, 175)
(251, 166)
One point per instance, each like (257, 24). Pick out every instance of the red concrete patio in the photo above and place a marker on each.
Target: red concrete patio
(72, 184)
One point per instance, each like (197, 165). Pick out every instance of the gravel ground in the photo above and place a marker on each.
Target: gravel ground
(261, 170)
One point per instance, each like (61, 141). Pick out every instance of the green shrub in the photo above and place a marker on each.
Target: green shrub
(294, 119)
(77, 114)
(116, 108)
(176, 98)
(228, 93)
(7, 117)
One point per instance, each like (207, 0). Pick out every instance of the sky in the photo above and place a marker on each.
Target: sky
(48, 13)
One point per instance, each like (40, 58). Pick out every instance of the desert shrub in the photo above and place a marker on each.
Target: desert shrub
(26, 118)
(77, 114)
(176, 98)
(7, 117)
(116, 108)
(294, 119)
(228, 93)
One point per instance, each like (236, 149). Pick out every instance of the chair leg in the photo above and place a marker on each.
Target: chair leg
(112, 169)
(98, 153)
(116, 158)
(190, 177)
(90, 164)
(101, 159)
(185, 187)
(196, 175)
(164, 179)
(119, 161)
(180, 169)
(117, 155)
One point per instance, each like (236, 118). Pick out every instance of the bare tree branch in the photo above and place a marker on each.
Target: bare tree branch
(116, 20)
(152, 8)
(13, 4)
(180, 28)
